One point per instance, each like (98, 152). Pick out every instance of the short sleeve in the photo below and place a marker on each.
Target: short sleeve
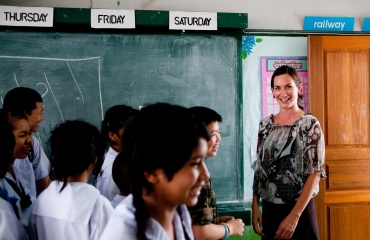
(101, 214)
(40, 163)
(314, 148)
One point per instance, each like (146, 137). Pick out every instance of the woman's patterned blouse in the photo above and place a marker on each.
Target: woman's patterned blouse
(286, 155)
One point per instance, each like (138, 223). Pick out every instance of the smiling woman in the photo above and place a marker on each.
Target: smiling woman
(290, 158)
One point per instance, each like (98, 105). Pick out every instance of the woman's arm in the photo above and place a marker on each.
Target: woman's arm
(256, 216)
(288, 225)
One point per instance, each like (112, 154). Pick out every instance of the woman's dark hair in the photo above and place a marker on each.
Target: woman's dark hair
(160, 136)
(74, 146)
(115, 118)
(285, 69)
(7, 143)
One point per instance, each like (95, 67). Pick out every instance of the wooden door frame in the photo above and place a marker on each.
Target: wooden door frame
(315, 106)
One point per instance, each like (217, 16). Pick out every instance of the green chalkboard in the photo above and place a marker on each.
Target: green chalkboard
(81, 75)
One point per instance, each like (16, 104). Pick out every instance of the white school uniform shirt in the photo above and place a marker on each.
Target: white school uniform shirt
(104, 182)
(122, 224)
(24, 214)
(78, 212)
(10, 227)
(117, 199)
(31, 172)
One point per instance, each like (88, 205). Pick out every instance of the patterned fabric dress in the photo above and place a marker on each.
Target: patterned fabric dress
(286, 155)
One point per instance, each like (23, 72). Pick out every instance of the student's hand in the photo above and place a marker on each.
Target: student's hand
(287, 227)
(236, 227)
(257, 221)
(224, 219)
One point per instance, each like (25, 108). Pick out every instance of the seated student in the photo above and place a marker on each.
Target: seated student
(10, 181)
(120, 177)
(165, 147)
(112, 128)
(204, 216)
(70, 208)
(10, 226)
(37, 167)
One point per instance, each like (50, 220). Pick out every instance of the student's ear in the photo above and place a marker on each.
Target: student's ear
(153, 177)
(112, 136)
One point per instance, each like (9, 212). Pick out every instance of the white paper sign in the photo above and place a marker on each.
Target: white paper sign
(193, 20)
(26, 16)
(112, 18)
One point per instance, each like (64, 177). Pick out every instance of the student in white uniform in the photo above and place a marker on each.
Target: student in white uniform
(165, 147)
(37, 167)
(112, 129)
(10, 180)
(120, 177)
(70, 208)
(10, 226)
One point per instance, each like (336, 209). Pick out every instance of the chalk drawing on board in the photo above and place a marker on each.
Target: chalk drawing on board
(64, 84)
(51, 90)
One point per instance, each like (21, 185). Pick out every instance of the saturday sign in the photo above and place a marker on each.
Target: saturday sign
(112, 18)
(26, 16)
(193, 20)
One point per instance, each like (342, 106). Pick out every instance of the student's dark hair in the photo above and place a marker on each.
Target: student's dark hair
(160, 136)
(21, 99)
(13, 116)
(75, 144)
(120, 174)
(285, 69)
(7, 143)
(114, 119)
(205, 114)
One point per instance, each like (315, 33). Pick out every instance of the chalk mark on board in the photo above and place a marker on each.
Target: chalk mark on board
(52, 59)
(101, 99)
(74, 79)
(67, 60)
(15, 79)
(46, 88)
(51, 90)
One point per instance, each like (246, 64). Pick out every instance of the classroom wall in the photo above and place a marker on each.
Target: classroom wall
(262, 14)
